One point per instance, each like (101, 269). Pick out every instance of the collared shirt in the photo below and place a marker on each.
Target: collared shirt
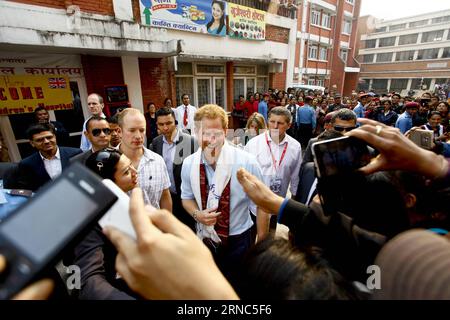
(85, 144)
(168, 152)
(289, 169)
(359, 110)
(404, 122)
(179, 114)
(53, 166)
(153, 178)
(240, 204)
(306, 115)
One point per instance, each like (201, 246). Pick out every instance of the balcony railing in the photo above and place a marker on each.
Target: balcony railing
(280, 7)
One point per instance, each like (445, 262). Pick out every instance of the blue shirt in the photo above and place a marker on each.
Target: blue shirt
(306, 115)
(359, 110)
(404, 122)
(263, 109)
(240, 204)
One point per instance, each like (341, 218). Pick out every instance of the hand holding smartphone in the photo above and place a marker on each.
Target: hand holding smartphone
(35, 236)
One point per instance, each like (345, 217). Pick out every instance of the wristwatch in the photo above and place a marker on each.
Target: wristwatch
(194, 215)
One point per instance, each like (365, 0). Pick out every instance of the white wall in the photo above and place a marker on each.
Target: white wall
(131, 76)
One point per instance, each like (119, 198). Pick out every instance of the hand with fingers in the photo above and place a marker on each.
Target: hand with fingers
(167, 260)
(39, 290)
(208, 217)
(397, 152)
(258, 192)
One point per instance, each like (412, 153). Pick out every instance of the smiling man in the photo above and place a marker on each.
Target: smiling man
(47, 163)
(211, 193)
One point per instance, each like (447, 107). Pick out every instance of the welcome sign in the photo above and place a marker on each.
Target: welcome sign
(201, 16)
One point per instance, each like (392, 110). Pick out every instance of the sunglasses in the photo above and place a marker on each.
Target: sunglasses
(342, 129)
(96, 132)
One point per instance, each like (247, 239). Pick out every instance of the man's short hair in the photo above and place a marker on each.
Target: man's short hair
(124, 113)
(93, 118)
(100, 98)
(40, 108)
(38, 128)
(164, 111)
(396, 95)
(212, 111)
(281, 111)
(114, 119)
(183, 95)
(344, 114)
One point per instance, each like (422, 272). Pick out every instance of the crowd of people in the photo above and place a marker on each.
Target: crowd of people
(215, 198)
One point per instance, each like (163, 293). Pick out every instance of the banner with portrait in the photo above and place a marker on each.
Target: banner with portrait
(201, 16)
(246, 23)
(24, 93)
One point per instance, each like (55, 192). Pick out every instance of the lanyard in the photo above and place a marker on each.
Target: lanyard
(273, 157)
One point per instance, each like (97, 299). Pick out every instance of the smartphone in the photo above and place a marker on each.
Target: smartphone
(340, 184)
(422, 138)
(34, 237)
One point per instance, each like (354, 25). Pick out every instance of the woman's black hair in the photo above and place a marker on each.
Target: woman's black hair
(222, 19)
(104, 162)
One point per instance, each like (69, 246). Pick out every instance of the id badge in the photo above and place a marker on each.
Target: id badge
(275, 185)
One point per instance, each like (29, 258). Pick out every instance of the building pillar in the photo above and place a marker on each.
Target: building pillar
(131, 75)
(230, 87)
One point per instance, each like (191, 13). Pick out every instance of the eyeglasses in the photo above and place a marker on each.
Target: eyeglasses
(342, 129)
(96, 132)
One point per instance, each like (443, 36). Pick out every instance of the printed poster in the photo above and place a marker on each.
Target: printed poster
(246, 23)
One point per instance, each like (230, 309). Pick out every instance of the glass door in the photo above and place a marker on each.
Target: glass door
(203, 91)
(219, 92)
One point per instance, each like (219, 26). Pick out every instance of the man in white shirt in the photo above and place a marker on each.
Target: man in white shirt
(278, 154)
(185, 114)
(95, 105)
(46, 164)
(153, 177)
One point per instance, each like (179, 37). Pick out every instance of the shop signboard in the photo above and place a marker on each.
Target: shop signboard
(200, 16)
(246, 23)
(23, 93)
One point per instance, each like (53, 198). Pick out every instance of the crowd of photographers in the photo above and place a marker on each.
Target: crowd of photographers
(392, 217)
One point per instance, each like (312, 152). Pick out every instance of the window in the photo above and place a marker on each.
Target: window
(343, 53)
(244, 70)
(408, 39)
(320, 82)
(323, 53)
(448, 37)
(387, 42)
(262, 84)
(315, 18)
(379, 85)
(440, 19)
(396, 27)
(363, 84)
(367, 58)
(371, 43)
(428, 54)
(312, 52)
(184, 85)
(384, 57)
(382, 29)
(418, 23)
(208, 68)
(405, 56)
(326, 20)
(432, 36)
(347, 27)
(446, 53)
(311, 82)
(420, 84)
(350, 1)
(398, 85)
(262, 70)
(184, 68)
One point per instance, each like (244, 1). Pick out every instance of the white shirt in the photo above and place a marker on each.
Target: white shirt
(53, 166)
(289, 170)
(168, 152)
(153, 178)
(179, 115)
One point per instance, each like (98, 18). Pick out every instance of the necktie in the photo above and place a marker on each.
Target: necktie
(185, 117)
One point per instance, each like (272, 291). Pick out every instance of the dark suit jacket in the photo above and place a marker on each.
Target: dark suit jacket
(32, 173)
(307, 176)
(185, 146)
(82, 157)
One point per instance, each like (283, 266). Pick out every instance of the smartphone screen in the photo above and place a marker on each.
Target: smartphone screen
(49, 216)
(340, 156)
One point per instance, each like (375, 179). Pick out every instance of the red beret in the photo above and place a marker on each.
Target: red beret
(412, 105)
(266, 95)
